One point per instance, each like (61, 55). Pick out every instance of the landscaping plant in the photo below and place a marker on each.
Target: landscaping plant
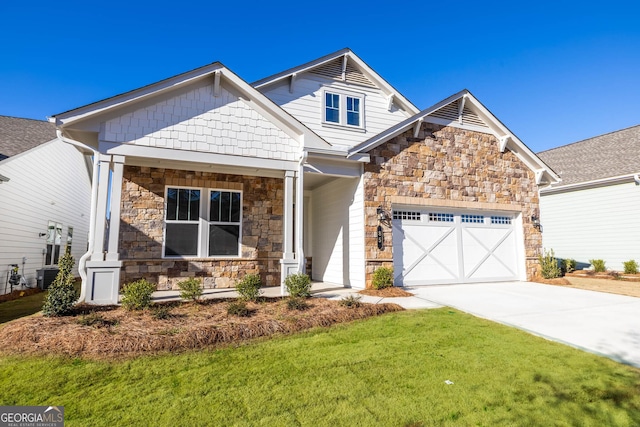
(298, 285)
(598, 265)
(630, 267)
(382, 278)
(569, 265)
(352, 301)
(190, 289)
(297, 303)
(549, 265)
(62, 294)
(137, 295)
(238, 308)
(249, 287)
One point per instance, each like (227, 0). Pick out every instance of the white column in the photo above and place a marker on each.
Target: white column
(115, 202)
(101, 208)
(288, 215)
(300, 216)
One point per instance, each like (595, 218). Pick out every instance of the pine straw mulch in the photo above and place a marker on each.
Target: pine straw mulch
(391, 292)
(114, 333)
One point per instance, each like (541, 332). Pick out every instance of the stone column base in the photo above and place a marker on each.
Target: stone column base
(103, 282)
(287, 266)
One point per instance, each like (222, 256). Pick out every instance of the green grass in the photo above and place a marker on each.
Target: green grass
(388, 370)
(21, 307)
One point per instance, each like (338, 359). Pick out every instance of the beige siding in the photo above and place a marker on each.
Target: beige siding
(597, 223)
(50, 182)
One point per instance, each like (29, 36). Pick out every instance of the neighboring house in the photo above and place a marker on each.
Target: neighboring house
(593, 212)
(45, 190)
(325, 166)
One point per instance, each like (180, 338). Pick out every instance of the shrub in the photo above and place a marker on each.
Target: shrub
(62, 292)
(249, 287)
(298, 285)
(352, 301)
(161, 312)
(383, 278)
(297, 303)
(630, 267)
(190, 289)
(137, 295)
(238, 308)
(598, 265)
(569, 265)
(549, 265)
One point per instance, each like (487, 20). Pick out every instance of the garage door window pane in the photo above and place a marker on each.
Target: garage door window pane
(440, 217)
(500, 220)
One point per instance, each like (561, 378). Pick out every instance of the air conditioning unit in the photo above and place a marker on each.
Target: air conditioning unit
(46, 276)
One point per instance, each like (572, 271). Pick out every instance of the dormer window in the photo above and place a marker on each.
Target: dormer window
(343, 109)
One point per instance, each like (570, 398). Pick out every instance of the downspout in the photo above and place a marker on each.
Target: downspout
(300, 213)
(82, 262)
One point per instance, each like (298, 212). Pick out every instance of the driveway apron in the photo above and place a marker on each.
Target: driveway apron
(601, 323)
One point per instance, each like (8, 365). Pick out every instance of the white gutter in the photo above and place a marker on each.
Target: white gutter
(82, 262)
(300, 212)
(621, 179)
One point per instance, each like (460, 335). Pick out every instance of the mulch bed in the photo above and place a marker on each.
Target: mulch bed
(19, 294)
(114, 333)
(391, 292)
(609, 275)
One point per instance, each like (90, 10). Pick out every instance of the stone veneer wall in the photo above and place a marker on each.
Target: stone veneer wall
(447, 166)
(141, 229)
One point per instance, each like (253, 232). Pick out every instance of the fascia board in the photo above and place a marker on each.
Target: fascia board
(603, 182)
(77, 114)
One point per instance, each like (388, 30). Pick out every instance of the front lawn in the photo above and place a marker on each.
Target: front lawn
(22, 306)
(388, 370)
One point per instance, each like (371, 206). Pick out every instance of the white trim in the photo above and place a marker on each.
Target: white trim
(342, 108)
(603, 182)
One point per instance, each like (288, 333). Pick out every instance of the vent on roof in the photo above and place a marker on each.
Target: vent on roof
(450, 112)
(333, 70)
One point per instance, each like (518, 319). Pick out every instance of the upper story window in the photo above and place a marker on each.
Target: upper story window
(197, 226)
(343, 109)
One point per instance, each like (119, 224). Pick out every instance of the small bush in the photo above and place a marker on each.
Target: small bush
(352, 301)
(630, 267)
(297, 303)
(382, 278)
(238, 308)
(249, 287)
(598, 265)
(569, 265)
(161, 312)
(190, 289)
(62, 292)
(298, 285)
(549, 265)
(137, 295)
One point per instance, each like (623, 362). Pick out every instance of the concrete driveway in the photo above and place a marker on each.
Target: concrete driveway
(601, 323)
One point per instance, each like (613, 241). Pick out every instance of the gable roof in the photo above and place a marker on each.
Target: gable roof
(18, 135)
(464, 110)
(342, 65)
(610, 155)
(218, 73)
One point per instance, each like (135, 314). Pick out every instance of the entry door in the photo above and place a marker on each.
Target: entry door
(441, 247)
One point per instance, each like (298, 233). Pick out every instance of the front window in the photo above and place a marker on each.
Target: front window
(201, 227)
(332, 107)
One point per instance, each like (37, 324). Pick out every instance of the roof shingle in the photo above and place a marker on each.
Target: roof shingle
(19, 135)
(605, 156)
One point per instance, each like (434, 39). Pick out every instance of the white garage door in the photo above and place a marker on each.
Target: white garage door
(439, 247)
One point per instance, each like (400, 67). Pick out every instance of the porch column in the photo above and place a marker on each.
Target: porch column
(103, 275)
(115, 201)
(288, 264)
(97, 253)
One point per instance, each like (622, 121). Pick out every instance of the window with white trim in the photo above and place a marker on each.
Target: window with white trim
(343, 109)
(197, 226)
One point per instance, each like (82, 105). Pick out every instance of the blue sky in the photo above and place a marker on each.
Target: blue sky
(553, 72)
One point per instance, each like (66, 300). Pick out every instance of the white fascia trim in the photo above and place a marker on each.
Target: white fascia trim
(621, 179)
(389, 90)
(169, 154)
(71, 116)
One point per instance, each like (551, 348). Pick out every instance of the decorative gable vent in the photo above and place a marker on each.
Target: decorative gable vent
(333, 70)
(450, 112)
